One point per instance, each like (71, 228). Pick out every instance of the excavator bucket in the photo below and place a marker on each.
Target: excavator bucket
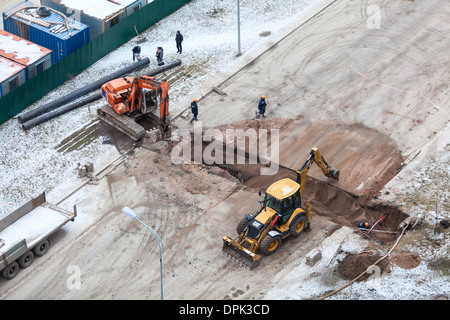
(334, 174)
(239, 254)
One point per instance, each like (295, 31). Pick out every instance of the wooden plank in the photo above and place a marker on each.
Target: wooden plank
(34, 20)
(219, 91)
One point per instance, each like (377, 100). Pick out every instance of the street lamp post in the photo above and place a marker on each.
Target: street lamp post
(132, 215)
(239, 29)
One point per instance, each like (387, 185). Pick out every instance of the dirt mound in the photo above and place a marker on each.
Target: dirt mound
(406, 260)
(355, 264)
(367, 158)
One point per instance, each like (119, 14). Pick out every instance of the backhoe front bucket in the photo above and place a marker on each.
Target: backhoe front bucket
(239, 254)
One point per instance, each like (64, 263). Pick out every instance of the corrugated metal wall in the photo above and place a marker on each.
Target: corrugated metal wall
(36, 88)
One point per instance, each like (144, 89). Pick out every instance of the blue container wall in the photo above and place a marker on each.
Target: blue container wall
(61, 48)
(11, 27)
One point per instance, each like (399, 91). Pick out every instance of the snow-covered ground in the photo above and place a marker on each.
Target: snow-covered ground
(31, 163)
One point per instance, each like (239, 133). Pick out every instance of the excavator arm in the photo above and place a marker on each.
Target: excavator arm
(164, 104)
(129, 98)
(134, 99)
(317, 158)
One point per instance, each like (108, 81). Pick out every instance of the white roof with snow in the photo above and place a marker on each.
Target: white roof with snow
(100, 9)
(8, 68)
(16, 48)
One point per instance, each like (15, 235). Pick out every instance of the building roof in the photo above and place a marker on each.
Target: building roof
(100, 9)
(9, 68)
(20, 50)
(53, 19)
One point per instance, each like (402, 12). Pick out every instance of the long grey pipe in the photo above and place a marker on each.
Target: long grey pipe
(66, 108)
(81, 92)
(59, 111)
(163, 68)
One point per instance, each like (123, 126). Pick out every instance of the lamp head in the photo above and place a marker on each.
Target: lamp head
(129, 212)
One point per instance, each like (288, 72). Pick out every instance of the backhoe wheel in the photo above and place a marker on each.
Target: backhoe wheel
(270, 245)
(297, 225)
(242, 224)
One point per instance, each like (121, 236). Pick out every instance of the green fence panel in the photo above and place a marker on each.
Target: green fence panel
(34, 89)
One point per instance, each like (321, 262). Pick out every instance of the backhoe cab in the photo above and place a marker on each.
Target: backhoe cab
(281, 215)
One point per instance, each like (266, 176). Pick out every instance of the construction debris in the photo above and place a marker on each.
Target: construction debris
(86, 170)
(219, 91)
(313, 257)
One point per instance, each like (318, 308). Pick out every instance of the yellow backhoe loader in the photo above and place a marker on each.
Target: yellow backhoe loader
(281, 215)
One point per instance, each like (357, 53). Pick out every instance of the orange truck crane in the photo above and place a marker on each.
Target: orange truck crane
(130, 99)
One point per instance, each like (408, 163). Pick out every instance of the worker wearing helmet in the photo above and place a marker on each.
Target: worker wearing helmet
(194, 110)
(364, 225)
(261, 107)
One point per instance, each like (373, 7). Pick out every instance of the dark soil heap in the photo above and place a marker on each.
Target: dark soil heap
(355, 264)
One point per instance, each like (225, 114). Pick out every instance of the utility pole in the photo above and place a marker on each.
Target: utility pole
(239, 29)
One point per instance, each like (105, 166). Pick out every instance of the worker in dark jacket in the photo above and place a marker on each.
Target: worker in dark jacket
(261, 107)
(136, 53)
(160, 56)
(194, 110)
(364, 225)
(179, 40)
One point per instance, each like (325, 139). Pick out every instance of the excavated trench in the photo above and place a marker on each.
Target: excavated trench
(328, 199)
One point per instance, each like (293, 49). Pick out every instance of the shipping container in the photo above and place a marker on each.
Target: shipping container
(99, 15)
(47, 28)
(12, 75)
(34, 57)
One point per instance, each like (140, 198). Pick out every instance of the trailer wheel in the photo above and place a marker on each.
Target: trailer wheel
(26, 259)
(41, 248)
(11, 271)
